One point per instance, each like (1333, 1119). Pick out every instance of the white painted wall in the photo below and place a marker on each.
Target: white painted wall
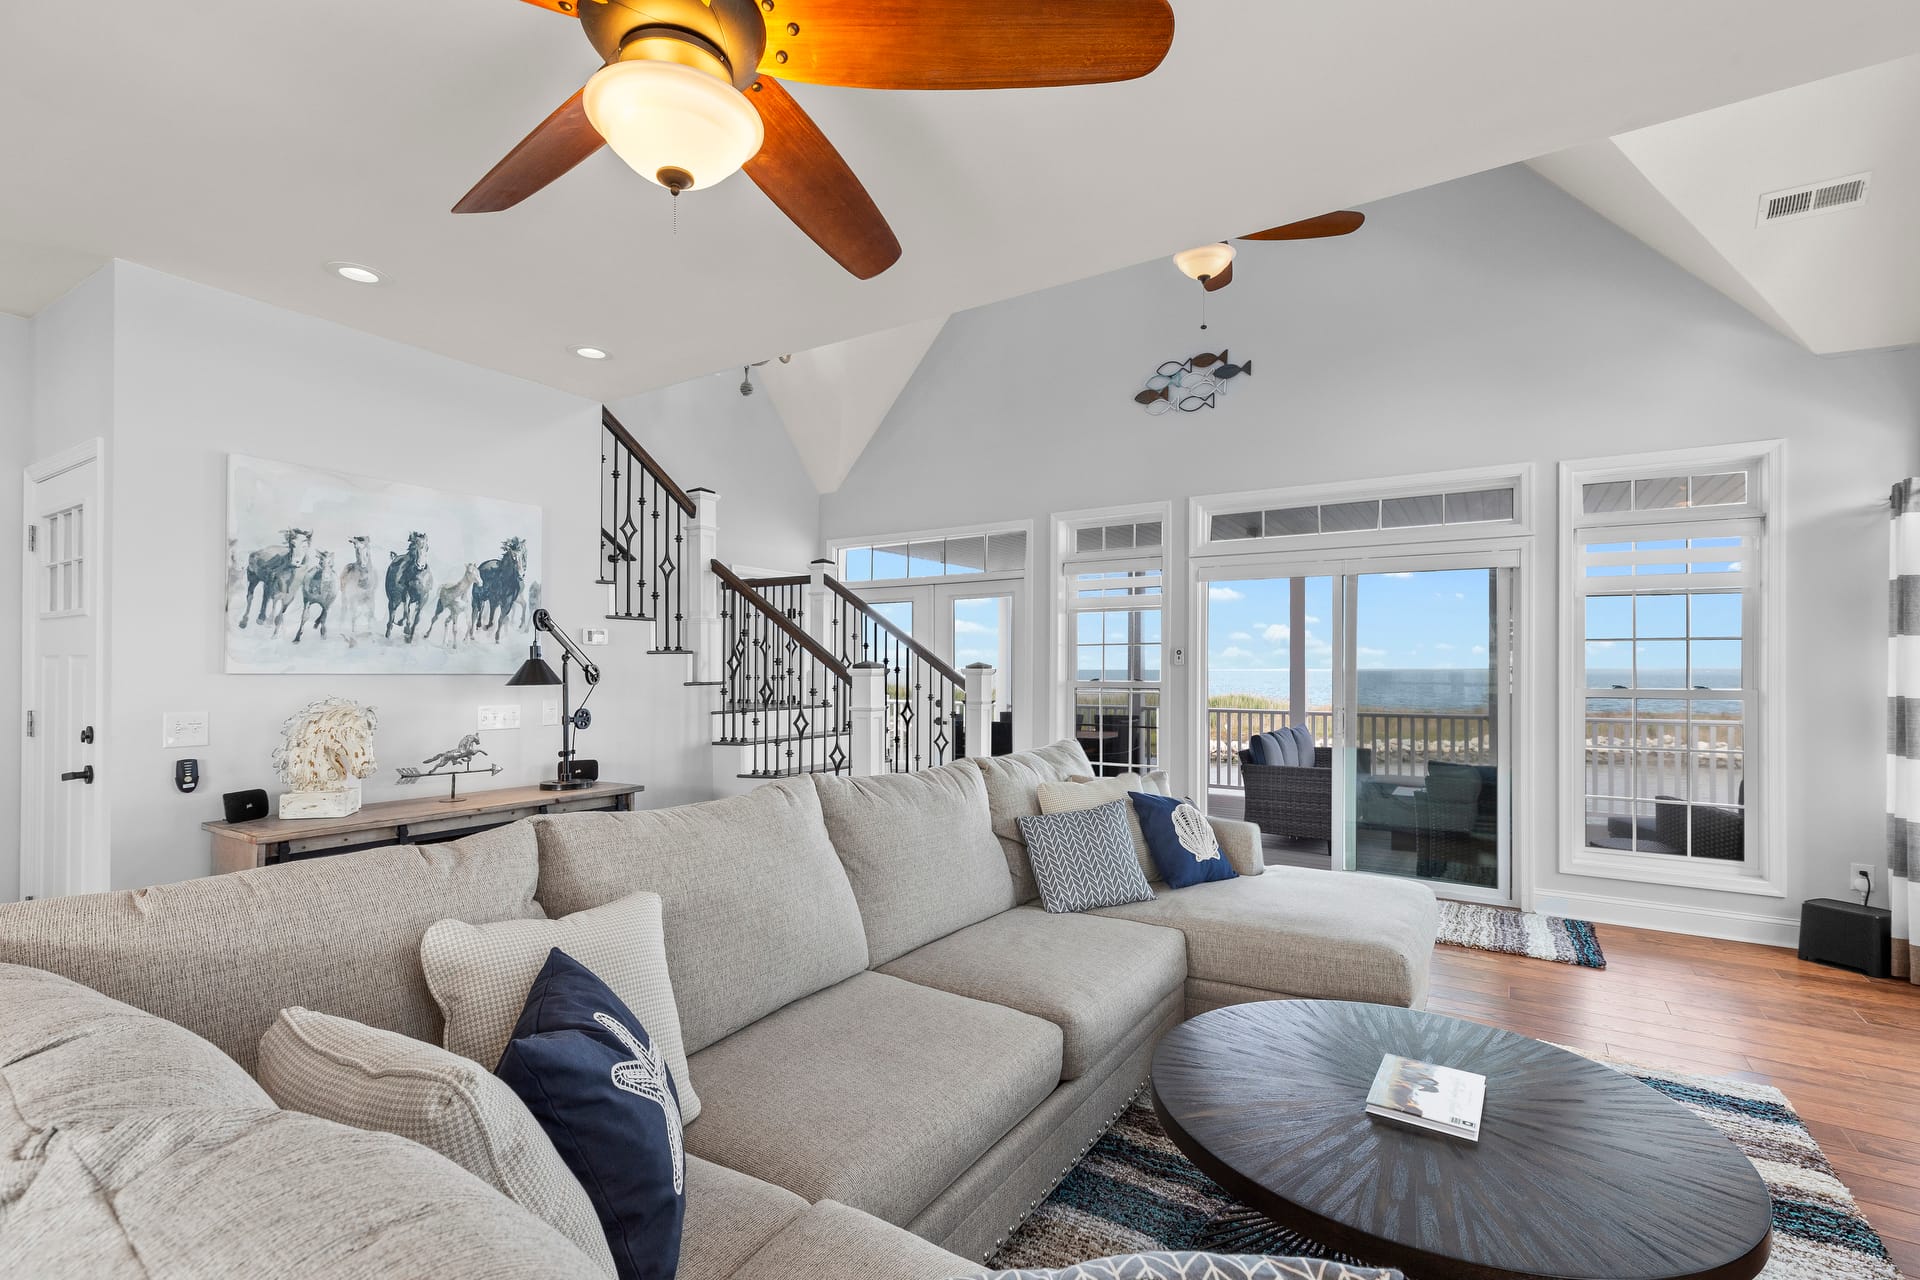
(182, 374)
(1488, 321)
(16, 439)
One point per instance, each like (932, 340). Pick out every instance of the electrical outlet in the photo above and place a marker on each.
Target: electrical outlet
(500, 717)
(549, 713)
(1855, 873)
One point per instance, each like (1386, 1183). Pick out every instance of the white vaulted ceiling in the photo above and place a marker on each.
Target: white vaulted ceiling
(244, 145)
(1845, 280)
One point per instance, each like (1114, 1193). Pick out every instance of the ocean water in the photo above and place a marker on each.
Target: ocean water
(1443, 690)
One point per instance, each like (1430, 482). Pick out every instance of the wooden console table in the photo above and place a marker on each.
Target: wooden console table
(239, 845)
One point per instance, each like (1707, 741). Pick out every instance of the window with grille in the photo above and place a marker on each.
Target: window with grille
(1667, 583)
(1115, 615)
(63, 561)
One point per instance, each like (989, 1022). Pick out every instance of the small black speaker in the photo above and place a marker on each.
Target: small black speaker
(1848, 935)
(245, 806)
(586, 771)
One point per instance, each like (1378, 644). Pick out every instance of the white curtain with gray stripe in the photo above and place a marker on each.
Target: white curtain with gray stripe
(1903, 727)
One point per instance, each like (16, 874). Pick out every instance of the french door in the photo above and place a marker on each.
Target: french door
(963, 623)
(1395, 676)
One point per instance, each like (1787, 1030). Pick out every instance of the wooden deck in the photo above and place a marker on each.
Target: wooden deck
(1844, 1049)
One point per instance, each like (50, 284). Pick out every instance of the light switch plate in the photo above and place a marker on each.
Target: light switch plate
(593, 635)
(183, 729)
(501, 717)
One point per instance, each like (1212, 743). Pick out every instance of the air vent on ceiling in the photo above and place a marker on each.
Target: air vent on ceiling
(1821, 197)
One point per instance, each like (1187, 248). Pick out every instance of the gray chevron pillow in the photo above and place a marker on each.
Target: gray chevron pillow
(1199, 1266)
(1084, 858)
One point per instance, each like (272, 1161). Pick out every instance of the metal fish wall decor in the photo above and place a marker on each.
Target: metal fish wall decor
(1190, 385)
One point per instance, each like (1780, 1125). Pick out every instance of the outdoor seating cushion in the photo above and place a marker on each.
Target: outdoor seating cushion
(223, 955)
(756, 906)
(1331, 935)
(1012, 786)
(1097, 980)
(730, 1217)
(834, 1242)
(265, 1194)
(919, 851)
(1268, 749)
(876, 1092)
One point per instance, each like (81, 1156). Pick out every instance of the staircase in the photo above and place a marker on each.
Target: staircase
(802, 675)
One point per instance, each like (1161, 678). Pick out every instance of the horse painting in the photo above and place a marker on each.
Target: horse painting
(409, 584)
(498, 592)
(272, 569)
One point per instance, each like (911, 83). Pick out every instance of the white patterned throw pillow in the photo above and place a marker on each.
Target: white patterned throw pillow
(1084, 859)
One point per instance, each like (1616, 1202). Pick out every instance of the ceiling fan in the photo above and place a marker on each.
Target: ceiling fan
(687, 92)
(1212, 264)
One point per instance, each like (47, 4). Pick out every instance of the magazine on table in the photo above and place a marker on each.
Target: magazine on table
(1425, 1096)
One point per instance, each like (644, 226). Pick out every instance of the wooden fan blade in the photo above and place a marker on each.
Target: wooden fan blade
(802, 173)
(565, 8)
(1327, 224)
(561, 141)
(1214, 284)
(965, 44)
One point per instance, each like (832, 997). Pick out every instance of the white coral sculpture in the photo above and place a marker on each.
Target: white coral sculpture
(325, 743)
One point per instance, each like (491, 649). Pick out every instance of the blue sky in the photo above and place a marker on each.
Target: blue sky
(1428, 620)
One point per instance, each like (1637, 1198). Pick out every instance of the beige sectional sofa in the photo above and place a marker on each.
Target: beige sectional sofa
(897, 1050)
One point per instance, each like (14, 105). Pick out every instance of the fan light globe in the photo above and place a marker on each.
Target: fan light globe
(673, 124)
(1206, 262)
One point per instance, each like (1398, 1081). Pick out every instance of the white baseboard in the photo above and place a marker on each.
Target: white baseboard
(1700, 922)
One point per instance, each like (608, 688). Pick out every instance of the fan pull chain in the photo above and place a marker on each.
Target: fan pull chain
(1203, 311)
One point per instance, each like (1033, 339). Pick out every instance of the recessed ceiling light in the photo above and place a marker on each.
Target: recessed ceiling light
(590, 353)
(355, 272)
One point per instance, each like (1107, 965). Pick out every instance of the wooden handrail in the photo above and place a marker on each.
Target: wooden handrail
(786, 625)
(797, 580)
(925, 654)
(654, 469)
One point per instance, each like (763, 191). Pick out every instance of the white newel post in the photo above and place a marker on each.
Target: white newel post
(869, 719)
(814, 615)
(703, 546)
(981, 711)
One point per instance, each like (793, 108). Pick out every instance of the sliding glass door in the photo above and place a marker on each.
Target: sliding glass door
(1359, 712)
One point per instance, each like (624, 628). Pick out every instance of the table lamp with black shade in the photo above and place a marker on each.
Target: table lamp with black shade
(535, 671)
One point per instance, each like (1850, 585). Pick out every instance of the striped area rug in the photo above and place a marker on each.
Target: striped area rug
(1520, 933)
(1135, 1192)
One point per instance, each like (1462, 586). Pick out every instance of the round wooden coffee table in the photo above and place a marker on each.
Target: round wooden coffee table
(1580, 1171)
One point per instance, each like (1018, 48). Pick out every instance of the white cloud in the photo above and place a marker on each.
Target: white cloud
(1479, 651)
(1372, 653)
(1233, 653)
(1399, 575)
(1224, 595)
(1312, 621)
(967, 627)
(1276, 634)
(1240, 635)
(1443, 646)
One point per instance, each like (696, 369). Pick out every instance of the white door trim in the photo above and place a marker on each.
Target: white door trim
(92, 871)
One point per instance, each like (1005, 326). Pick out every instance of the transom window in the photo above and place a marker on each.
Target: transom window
(960, 555)
(1475, 499)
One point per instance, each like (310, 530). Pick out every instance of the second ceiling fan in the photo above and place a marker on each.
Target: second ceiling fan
(1212, 264)
(687, 92)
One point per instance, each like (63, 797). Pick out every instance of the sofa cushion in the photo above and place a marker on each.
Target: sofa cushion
(480, 974)
(1183, 846)
(1091, 793)
(247, 1194)
(834, 1242)
(919, 851)
(1094, 978)
(1332, 935)
(583, 1064)
(756, 905)
(730, 1217)
(362, 1076)
(1084, 858)
(222, 956)
(71, 1056)
(876, 1092)
(1012, 786)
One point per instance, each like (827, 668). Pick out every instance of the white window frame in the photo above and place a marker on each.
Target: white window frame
(838, 547)
(1763, 872)
(1520, 476)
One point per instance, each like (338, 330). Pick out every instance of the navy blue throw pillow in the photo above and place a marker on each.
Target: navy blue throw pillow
(584, 1066)
(1180, 841)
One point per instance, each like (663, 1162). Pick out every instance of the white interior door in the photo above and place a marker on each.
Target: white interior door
(62, 812)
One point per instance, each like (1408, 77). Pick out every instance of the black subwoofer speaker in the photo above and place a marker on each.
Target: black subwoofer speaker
(245, 806)
(1848, 935)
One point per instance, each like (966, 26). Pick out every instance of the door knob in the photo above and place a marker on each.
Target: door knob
(85, 775)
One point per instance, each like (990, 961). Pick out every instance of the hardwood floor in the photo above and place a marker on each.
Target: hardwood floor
(1843, 1048)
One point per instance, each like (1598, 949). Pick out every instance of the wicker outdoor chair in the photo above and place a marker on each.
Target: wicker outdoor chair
(1294, 801)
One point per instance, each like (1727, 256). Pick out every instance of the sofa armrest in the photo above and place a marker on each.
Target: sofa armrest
(1240, 841)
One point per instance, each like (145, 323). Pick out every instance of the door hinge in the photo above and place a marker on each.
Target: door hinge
(29, 724)
(33, 537)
